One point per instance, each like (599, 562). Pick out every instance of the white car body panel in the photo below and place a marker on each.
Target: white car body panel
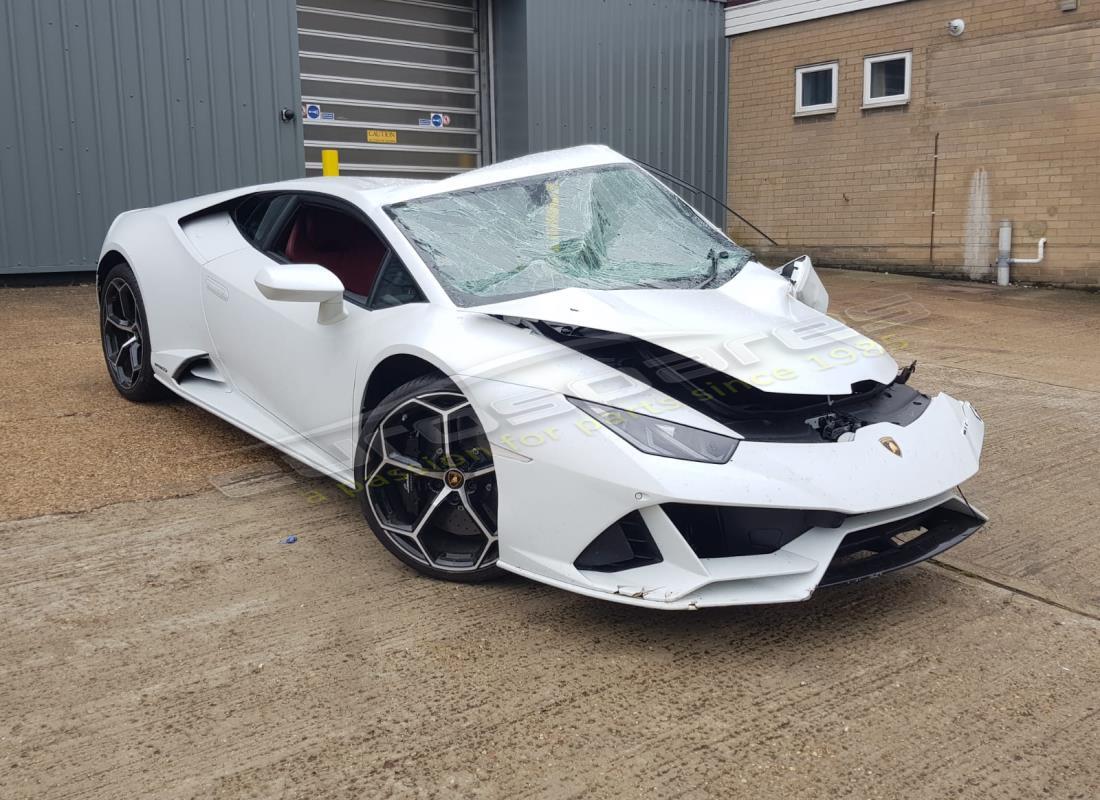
(277, 373)
(752, 332)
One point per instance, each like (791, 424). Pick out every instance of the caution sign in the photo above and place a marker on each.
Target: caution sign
(382, 137)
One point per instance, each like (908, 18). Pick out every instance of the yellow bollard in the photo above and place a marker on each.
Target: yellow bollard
(330, 162)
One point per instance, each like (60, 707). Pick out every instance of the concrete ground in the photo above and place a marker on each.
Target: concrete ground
(156, 638)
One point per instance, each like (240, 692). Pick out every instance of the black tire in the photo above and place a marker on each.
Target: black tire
(124, 335)
(430, 499)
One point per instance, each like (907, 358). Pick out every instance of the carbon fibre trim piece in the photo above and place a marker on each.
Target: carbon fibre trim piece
(875, 551)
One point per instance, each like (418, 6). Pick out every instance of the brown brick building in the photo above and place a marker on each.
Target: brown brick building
(839, 107)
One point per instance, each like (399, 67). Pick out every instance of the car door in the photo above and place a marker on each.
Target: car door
(277, 352)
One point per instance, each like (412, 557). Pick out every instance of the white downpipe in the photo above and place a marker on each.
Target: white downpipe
(1004, 253)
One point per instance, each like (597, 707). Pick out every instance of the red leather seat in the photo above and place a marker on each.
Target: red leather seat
(337, 242)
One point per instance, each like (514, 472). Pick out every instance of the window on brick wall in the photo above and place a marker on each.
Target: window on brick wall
(886, 79)
(815, 89)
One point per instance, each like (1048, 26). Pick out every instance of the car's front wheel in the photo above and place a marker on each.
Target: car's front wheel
(426, 481)
(124, 333)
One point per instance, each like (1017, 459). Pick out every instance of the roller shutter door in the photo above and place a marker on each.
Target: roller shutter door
(393, 85)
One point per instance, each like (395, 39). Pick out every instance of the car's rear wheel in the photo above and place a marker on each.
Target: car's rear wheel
(426, 481)
(124, 333)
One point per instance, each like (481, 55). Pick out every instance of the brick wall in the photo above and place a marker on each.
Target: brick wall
(1015, 102)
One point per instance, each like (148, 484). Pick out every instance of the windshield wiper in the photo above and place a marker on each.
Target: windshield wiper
(713, 255)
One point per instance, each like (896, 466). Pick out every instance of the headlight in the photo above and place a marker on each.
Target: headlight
(660, 437)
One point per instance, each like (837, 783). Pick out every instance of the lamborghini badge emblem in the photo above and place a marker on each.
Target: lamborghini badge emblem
(891, 445)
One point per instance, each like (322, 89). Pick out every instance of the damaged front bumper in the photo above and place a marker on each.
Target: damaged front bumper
(867, 508)
(865, 546)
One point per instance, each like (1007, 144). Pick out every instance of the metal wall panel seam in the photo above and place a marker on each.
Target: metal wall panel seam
(391, 84)
(188, 90)
(231, 52)
(169, 117)
(387, 104)
(257, 144)
(412, 23)
(365, 39)
(414, 169)
(390, 126)
(386, 62)
(409, 148)
(70, 115)
(429, 4)
(211, 97)
(6, 250)
(294, 63)
(274, 105)
(97, 112)
(697, 82)
(146, 139)
(46, 136)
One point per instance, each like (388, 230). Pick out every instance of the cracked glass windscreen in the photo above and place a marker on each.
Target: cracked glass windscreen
(597, 228)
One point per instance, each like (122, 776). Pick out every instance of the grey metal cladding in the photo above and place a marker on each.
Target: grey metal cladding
(383, 66)
(119, 104)
(647, 77)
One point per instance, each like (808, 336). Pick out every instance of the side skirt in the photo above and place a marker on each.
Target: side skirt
(242, 413)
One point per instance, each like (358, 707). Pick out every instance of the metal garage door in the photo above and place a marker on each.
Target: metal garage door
(393, 85)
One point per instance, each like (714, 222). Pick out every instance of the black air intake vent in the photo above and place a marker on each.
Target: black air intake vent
(198, 368)
(724, 531)
(624, 545)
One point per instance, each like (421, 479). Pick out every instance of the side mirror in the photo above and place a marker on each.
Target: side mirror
(806, 286)
(304, 283)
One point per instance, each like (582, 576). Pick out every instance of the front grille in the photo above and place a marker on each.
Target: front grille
(724, 531)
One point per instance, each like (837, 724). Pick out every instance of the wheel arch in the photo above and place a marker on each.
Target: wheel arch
(391, 372)
(111, 259)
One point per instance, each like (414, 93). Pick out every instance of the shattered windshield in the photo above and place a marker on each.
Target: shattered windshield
(597, 228)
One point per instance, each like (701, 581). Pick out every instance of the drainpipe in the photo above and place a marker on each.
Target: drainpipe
(1004, 253)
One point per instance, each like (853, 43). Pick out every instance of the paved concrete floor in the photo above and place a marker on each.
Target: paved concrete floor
(158, 639)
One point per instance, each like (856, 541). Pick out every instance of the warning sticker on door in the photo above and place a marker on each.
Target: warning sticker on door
(382, 137)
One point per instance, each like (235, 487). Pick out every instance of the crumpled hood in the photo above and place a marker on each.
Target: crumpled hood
(750, 328)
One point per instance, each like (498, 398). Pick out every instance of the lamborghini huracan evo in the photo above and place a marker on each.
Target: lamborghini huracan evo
(552, 366)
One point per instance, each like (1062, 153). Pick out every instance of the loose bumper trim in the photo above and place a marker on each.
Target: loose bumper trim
(871, 552)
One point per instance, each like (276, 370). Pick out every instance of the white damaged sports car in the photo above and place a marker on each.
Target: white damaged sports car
(552, 366)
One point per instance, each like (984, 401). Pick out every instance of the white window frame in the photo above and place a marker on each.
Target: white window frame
(892, 99)
(821, 108)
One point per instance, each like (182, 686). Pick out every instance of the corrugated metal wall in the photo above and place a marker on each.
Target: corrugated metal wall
(117, 104)
(647, 77)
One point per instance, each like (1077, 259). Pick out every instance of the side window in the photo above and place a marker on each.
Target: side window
(395, 286)
(255, 215)
(339, 240)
